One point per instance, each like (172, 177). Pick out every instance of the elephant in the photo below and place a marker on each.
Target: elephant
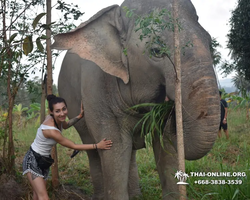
(96, 71)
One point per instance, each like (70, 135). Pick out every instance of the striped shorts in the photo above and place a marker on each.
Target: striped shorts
(30, 165)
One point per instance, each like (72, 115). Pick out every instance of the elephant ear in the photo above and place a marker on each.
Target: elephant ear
(100, 40)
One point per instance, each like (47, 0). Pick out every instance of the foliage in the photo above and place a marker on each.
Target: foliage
(18, 56)
(150, 28)
(28, 93)
(71, 11)
(19, 109)
(60, 26)
(3, 117)
(216, 55)
(241, 84)
(237, 102)
(238, 40)
(25, 29)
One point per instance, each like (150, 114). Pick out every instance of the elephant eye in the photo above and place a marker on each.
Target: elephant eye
(156, 52)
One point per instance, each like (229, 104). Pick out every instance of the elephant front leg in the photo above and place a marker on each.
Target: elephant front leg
(115, 167)
(96, 175)
(133, 182)
(167, 165)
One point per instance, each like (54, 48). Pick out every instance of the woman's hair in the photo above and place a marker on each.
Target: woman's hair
(52, 99)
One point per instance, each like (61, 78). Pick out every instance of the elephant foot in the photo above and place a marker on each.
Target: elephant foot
(172, 196)
(137, 197)
(97, 197)
(135, 194)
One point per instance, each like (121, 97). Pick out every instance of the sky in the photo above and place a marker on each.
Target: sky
(213, 15)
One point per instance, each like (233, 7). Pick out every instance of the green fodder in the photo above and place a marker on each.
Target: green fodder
(153, 120)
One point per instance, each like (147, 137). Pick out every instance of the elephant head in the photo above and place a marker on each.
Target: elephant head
(103, 38)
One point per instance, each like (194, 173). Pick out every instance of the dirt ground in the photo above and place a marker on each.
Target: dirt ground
(12, 189)
(18, 188)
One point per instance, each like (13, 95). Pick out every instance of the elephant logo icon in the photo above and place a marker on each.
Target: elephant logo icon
(182, 177)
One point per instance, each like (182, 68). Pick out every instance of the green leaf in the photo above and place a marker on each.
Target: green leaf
(125, 51)
(130, 14)
(137, 21)
(37, 19)
(44, 37)
(235, 193)
(27, 45)
(12, 37)
(3, 50)
(39, 44)
(47, 26)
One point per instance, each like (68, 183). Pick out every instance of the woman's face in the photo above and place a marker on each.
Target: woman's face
(60, 112)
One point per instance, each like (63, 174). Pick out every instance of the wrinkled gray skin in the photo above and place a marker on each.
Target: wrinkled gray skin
(96, 70)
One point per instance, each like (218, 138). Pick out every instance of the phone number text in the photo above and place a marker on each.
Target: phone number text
(218, 182)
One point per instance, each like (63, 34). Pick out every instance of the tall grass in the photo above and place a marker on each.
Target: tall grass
(232, 155)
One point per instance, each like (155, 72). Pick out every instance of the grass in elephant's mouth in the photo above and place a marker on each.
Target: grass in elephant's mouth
(153, 121)
(226, 156)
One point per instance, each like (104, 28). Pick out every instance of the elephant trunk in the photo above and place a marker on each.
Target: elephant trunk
(201, 112)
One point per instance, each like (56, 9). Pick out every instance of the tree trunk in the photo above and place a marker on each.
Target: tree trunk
(48, 49)
(178, 100)
(54, 168)
(43, 98)
(11, 148)
(3, 5)
(9, 161)
(11, 152)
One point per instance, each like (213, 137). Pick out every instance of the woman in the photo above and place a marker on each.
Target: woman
(37, 160)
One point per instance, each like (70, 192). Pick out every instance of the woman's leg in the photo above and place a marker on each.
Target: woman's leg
(35, 197)
(39, 187)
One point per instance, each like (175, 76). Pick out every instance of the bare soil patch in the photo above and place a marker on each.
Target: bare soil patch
(13, 189)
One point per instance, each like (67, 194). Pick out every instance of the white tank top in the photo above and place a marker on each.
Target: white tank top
(41, 144)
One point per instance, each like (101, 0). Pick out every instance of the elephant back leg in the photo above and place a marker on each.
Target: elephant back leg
(94, 161)
(69, 86)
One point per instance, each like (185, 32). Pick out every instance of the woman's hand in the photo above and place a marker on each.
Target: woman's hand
(104, 144)
(82, 111)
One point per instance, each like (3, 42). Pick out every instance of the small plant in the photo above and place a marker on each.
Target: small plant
(18, 111)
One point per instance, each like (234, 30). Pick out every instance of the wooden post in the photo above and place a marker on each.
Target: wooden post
(54, 168)
(178, 100)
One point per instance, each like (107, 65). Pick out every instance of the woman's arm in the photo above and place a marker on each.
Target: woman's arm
(72, 121)
(57, 136)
